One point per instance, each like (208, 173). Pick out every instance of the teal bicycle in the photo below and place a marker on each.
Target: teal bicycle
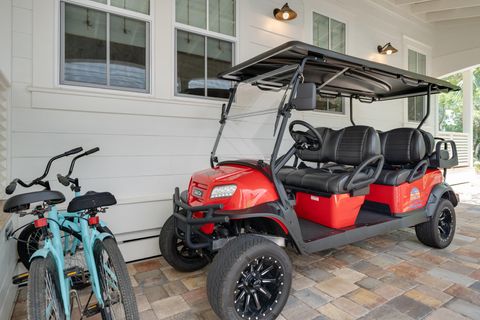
(50, 292)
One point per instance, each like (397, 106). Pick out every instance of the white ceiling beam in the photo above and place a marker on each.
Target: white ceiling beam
(407, 2)
(453, 14)
(441, 5)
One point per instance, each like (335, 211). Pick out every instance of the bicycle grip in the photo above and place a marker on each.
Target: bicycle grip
(11, 187)
(63, 180)
(73, 151)
(89, 152)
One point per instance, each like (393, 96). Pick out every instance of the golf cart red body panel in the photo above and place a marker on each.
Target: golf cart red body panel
(407, 196)
(253, 188)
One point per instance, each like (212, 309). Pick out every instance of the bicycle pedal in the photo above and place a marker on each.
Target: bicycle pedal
(92, 310)
(72, 272)
(20, 279)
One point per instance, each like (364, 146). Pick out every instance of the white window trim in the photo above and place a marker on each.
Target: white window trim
(415, 45)
(149, 92)
(345, 22)
(203, 32)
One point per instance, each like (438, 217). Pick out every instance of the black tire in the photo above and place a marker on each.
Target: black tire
(120, 301)
(44, 286)
(176, 253)
(239, 268)
(438, 232)
(30, 238)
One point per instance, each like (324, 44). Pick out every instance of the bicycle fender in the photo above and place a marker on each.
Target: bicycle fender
(42, 253)
(102, 223)
(102, 236)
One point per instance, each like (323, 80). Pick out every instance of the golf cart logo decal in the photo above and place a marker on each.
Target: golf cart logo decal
(415, 201)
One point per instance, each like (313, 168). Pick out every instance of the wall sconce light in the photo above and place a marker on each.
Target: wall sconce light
(387, 49)
(285, 13)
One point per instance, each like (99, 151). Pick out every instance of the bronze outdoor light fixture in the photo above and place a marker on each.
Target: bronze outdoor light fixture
(387, 49)
(285, 13)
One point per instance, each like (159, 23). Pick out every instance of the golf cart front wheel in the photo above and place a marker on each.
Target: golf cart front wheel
(176, 253)
(438, 232)
(250, 278)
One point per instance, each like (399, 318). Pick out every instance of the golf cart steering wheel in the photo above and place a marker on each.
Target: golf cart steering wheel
(306, 140)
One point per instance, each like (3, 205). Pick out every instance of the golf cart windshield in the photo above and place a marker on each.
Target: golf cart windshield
(279, 72)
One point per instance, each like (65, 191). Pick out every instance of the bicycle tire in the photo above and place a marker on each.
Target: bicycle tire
(44, 278)
(117, 265)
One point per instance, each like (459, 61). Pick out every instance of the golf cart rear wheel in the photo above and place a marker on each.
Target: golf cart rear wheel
(250, 278)
(438, 232)
(176, 253)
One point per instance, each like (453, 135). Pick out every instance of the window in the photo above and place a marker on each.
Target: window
(417, 62)
(205, 42)
(104, 49)
(329, 34)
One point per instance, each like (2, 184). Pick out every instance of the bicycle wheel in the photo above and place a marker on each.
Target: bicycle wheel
(115, 285)
(44, 299)
(29, 240)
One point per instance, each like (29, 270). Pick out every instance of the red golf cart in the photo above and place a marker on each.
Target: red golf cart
(331, 188)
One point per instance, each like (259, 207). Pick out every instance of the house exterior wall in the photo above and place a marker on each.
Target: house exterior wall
(151, 143)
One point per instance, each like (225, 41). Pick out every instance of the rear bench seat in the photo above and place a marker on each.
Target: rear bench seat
(351, 154)
(405, 151)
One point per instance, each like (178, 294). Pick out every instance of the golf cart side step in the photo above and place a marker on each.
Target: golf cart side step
(21, 279)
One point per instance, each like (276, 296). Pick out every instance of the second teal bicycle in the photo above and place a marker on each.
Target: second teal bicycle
(50, 293)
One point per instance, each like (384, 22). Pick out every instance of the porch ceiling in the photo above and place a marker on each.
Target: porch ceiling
(441, 10)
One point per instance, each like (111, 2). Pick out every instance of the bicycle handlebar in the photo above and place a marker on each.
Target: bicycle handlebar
(66, 180)
(38, 181)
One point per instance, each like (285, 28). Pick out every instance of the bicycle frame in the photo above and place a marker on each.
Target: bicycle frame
(53, 245)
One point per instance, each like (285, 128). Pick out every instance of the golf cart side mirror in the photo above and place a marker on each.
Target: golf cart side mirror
(306, 98)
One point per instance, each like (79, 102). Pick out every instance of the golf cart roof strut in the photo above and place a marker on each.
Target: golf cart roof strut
(429, 93)
(351, 111)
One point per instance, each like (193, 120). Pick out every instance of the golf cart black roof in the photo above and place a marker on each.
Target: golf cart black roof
(335, 74)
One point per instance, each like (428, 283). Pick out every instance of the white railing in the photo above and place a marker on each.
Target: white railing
(461, 139)
(4, 115)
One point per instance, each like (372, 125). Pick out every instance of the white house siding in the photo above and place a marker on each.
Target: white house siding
(151, 143)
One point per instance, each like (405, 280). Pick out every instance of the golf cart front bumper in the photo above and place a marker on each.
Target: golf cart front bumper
(189, 224)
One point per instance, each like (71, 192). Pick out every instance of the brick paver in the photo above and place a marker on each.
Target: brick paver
(391, 276)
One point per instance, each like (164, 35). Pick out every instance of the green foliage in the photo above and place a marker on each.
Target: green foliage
(450, 106)
(476, 112)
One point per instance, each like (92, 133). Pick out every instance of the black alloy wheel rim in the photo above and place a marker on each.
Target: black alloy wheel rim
(258, 288)
(445, 224)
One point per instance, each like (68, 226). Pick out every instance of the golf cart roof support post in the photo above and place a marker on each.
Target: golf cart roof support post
(429, 93)
(351, 111)
(285, 109)
(223, 120)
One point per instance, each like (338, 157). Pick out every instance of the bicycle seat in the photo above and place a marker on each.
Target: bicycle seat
(23, 201)
(91, 200)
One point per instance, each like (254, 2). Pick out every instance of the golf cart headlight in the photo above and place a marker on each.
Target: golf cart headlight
(223, 191)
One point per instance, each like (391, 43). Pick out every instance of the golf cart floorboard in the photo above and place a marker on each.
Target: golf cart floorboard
(368, 224)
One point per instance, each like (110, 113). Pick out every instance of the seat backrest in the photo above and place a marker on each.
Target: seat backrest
(429, 142)
(403, 146)
(351, 145)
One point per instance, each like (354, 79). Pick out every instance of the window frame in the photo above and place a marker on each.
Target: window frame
(419, 47)
(178, 26)
(109, 10)
(330, 18)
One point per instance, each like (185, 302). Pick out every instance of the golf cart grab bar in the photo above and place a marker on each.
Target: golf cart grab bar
(351, 183)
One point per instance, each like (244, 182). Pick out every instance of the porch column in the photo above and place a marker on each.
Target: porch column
(468, 111)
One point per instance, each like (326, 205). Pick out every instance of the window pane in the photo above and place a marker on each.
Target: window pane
(190, 63)
(192, 12)
(101, 1)
(322, 103)
(338, 36)
(142, 6)
(412, 61)
(422, 63)
(221, 16)
(320, 30)
(85, 45)
(411, 109)
(420, 108)
(219, 55)
(336, 105)
(128, 52)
